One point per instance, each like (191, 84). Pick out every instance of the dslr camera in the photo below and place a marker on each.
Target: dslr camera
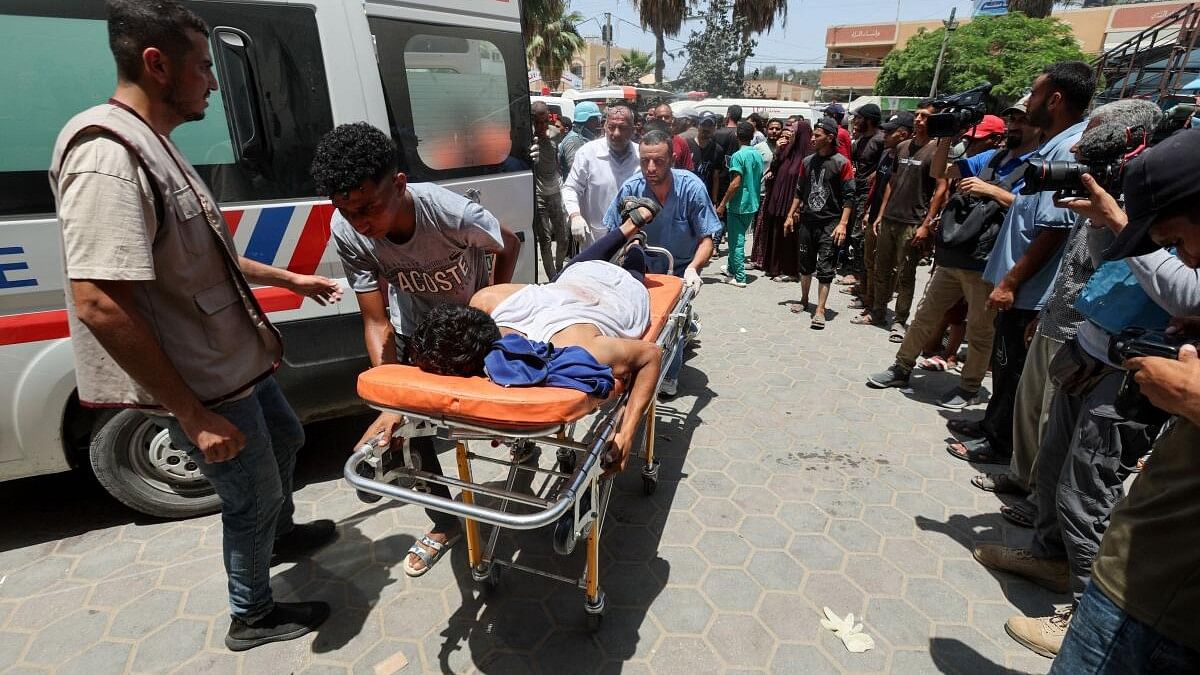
(1065, 178)
(958, 112)
(1133, 343)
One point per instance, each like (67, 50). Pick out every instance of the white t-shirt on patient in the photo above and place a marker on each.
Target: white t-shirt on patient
(593, 292)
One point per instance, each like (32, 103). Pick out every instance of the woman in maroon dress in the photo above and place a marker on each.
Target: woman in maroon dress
(781, 252)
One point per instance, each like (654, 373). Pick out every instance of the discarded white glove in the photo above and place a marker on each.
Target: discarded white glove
(535, 151)
(849, 632)
(579, 227)
(692, 278)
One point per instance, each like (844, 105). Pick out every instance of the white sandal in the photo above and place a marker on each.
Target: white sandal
(427, 558)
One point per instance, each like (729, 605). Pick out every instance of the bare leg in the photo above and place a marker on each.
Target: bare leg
(805, 285)
(822, 298)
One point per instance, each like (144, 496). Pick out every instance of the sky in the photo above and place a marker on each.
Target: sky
(800, 44)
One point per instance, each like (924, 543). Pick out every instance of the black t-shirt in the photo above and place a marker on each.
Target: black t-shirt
(825, 186)
(883, 174)
(866, 153)
(727, 137)
(708, 159)
(912, 186)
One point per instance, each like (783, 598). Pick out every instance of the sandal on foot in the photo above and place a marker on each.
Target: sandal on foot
(978, 451)
(799, 308)
(968, 428)
(818, 322)
(933, 363)
(849, 290)
(1020, 513)
(843, 281)
(897, 333)
(1000, 483)
(866, 320)
(427, 559)
(857, 303)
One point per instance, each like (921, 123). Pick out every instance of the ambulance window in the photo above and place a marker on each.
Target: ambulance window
(458, 99)
(58, 63)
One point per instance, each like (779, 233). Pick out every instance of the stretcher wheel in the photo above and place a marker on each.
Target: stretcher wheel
(594, 621)
(564, 534)
(595, 611)
(650, 477)
(366, 471)
(566, 460)
(649, 485)
(487, 576)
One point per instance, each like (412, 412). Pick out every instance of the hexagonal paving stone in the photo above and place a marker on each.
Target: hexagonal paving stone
(39, 611)
(723, 548)
(711, 484)
(764, 532)
(36, 578)
(145, 614)
(853, 536)
(627, 634)
(682, 610)
(68, 636)
(776, 571)
(102, 561)
(741, 640)
(816, 552)
(731, 590)
(875, 575)
(413, 614)
(167, 646)
(838, 504)
(827, 589)
(569, 652)
(794, 658)
(685, 567)
(897, 622)
(937, 599)
(717, 513)
(11, 646)
(683, 655)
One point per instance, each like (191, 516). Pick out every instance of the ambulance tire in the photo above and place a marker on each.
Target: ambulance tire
(134, 460)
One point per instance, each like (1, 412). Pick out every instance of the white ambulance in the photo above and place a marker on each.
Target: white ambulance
(447, 78)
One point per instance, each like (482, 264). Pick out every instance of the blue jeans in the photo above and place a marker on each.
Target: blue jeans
(1103, 639)
(255, 490)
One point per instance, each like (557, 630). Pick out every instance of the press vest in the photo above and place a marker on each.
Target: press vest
(199, 306)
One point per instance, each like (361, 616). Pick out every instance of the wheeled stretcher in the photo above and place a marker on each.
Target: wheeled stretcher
(573, 496)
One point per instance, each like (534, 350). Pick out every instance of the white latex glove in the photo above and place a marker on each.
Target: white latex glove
(579, 227)
(692, 278)
(535, 151)
(849, 632)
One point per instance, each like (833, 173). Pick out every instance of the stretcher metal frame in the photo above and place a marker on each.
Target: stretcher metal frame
(573, 497)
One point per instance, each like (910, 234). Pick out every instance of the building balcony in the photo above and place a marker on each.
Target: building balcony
(849, 78)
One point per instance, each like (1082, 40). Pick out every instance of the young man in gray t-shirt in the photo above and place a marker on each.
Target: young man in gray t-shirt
(427, 246)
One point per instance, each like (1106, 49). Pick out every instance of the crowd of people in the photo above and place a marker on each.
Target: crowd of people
(1080, 305)
(1035, 286)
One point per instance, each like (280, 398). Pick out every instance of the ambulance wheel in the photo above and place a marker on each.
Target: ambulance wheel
(134, 460)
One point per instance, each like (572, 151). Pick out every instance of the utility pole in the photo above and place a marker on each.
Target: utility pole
(606, 34)
(937, 71)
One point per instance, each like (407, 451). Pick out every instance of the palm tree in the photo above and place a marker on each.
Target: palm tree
(760, 17)
(535, 13)
(1034, 9)
(554, 42)
(631, 69)
(663, 18)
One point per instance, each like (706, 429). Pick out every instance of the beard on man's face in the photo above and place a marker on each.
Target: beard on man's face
(180, 108)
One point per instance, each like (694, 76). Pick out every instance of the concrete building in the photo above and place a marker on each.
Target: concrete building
(778, 90)
(590, 66)
(854, 53)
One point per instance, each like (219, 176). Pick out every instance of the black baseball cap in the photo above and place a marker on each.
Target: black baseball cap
(1156, 180)
(828, 125)
(903, 118)
(708, 117)
(869, 111)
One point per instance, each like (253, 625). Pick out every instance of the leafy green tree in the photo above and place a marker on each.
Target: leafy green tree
(663, 18)
(553, 44)
(535, 13)
(1037, 9)
(632, 68)
(716, 52)
(1008, 51)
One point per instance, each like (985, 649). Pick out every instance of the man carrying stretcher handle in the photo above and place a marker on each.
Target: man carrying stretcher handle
(406, 248)
(593, 304)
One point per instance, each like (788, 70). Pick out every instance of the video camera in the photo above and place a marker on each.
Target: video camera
(1064, 178)
(958, 112)
(1132, 343)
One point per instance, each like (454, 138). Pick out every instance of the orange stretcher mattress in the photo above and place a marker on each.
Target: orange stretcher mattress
(478, 401)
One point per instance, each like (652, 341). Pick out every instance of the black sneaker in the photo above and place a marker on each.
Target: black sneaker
(958, 398)
(892, 377)
(286, 621)
(303, 539)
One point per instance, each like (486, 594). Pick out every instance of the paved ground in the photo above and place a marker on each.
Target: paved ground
(787, 486)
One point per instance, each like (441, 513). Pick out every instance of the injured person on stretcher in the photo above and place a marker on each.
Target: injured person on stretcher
(593, 304)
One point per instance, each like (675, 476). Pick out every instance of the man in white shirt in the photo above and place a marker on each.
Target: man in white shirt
(600, 168)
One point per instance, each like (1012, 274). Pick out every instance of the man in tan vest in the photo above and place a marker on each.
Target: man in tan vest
(161, 312)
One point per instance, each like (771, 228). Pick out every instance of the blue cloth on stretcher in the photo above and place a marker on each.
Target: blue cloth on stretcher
(516, 361)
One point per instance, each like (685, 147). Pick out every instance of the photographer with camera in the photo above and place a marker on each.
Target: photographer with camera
(1025, 258)
(1089, 446)
(1138, 614)
(969, 226)
(912, 201)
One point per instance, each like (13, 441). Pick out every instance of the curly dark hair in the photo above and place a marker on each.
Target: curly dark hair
(352, 154)
(453, 340)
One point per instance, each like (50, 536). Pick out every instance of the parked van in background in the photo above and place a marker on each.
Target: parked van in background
(447, 78)
(768, 108)
(558, 106)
